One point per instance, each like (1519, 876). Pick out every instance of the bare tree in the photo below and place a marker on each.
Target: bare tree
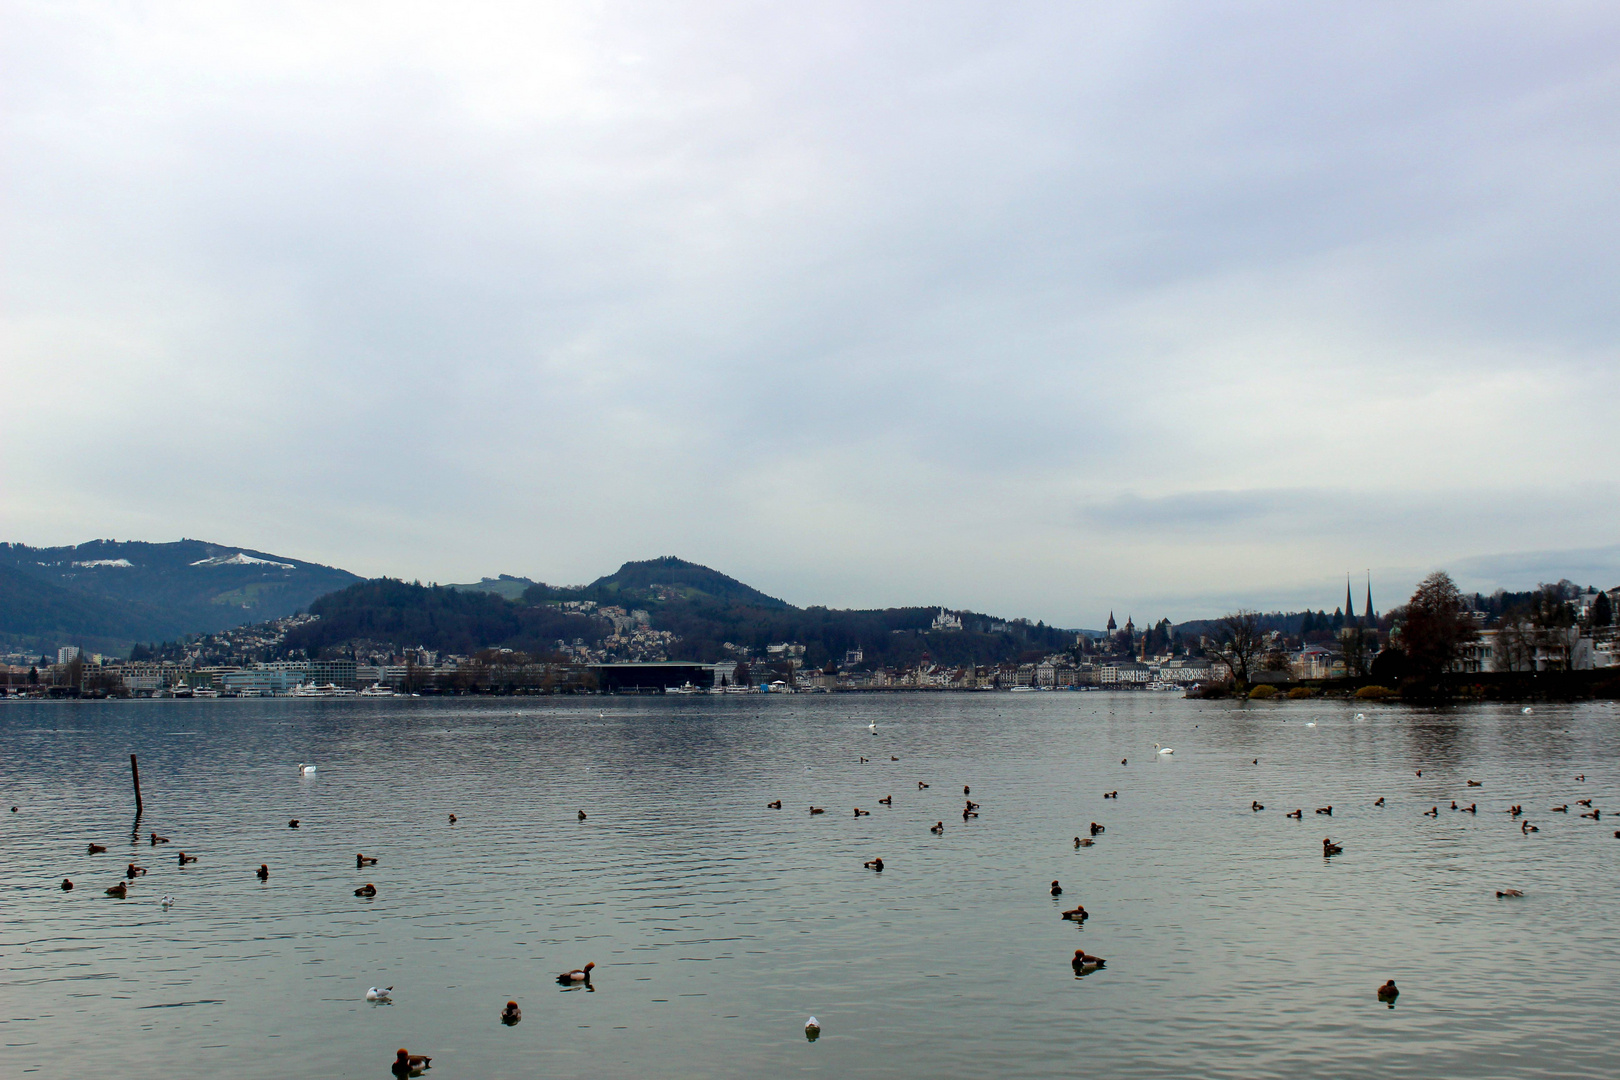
(1353, 642)
(1239, 642)
(1438, 626)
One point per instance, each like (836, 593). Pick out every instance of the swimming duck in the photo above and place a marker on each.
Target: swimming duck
(971, 805)
(1380, 801)
(1503, 893)
(119, 890)
(1122, 760)
(1330, 848)
(862, 813)
(1256, 761)
(966, 790)
(1433, 811)
(384, 994)
(1096, 828)
(408, 1064)
(292, 824)
(184, 858)
(1594, 815)
(1454, 804)
(156, 839)
(812, 1029)
(1086, 960)
(578, 975)
(364, 860)
(968, 814)
(874, 864)
(452, 819)
(1471, 808)
(1328, 810)
(864, 761)
(1583, 802)
(132, 871)
(67, 886)
(1388, 992)
(777, 805)
(1562, 809)
(938, 828)
(921, 786)
(582, 815)
(511, 1014)
(1296, 814)
(1083, 841)
(1581, 777)
(887, 801)
(1076, 914)
(817, 810)
(893, 758)
(1057, 890)
(98, 849)
(1420, 772)
(263, 872)
(1517, 809)
(1528, 828)
(1476, 783)
(1256, 806)
(368, 889)
(167, 902)
(1111, 794)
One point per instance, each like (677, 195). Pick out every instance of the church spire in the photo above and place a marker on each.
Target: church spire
(1368, 610)
(1349, 605)
(1112, 625)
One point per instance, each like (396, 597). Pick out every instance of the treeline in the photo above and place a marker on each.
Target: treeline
(447, 620)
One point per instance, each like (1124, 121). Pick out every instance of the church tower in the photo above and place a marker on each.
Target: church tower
(1372, 620)
(1349, 605)
(1112, 625)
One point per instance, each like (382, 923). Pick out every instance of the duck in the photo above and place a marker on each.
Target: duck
(384, 994)
(511, 1014)
(167, 902)
(966, 790)
(452, 819)
(119, 890)
(582, 815)
(156, 840)
(1388, 992)
(1454, 804)
(1516, 809)
(364, 860)
(132, 871)
(1581, 777)
(1525, 710)
(409, 1064)
(1433, 811)
(98, 849)
(862, 813)
(1528, 828)
(864, 761)
(1256, 761)
(971, 805)
(1096, 828)
(1328, 810)
(887, 800)
(1471, 808)
(968, 814)
(306, 770)
(1583, 802)
(184, 858)
(1380, 801)
(1420, 772)
(1256, 806)
(1476, 783)
(1562, 808)
(292, 823)
(937, 828)
(1330, 848)
(1057, 890)
(1085, 959)
(874, 864)
(263, 872)
(812, 1029)
(1123, 761)
(921, 786)
(578, 975)
(1296, 814)
(1163, 749)
(775, 805)
(1077, 913)
(893, 758)
(1505, 893)
(1083, 841)
(1594, 815)
(367, 890)
(1111, 794)
(817, 810)
(67, 886)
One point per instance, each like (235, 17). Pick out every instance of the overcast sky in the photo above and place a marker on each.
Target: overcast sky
(1039, 309)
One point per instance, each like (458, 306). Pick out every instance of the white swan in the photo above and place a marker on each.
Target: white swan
(306, 770)
(1311, 724)
(1163, 749)
(383, 994)
(1361, 716)
(871, 726)
(1525, 710)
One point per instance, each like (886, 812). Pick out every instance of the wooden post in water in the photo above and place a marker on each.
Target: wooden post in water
(135, 774)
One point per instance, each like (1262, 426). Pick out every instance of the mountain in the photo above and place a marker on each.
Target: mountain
(107, 594)
(704, 609)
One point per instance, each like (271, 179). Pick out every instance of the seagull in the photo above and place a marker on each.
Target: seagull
(382, 994)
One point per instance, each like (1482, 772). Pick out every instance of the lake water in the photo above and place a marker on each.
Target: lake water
(718, 926)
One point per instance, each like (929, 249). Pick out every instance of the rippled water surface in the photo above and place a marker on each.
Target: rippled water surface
(717, 925)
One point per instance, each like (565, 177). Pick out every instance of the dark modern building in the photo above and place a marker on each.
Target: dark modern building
(651, 678)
